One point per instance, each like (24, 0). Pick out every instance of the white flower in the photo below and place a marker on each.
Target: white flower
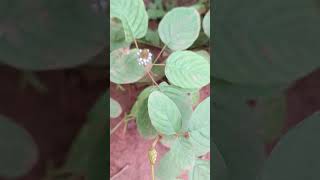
(144, 57)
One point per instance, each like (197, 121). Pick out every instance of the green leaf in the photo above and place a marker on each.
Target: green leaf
(179, 28)
(296, 156)
(263, 48)
(117, 36)
(206, 24)
(124, 68)
(200, 128)
(144, 124)
(179, 157)
(187, 69)
(115, 108)
(164, 113)
(143, 121)
(204, 54)
(182, 101)
(133, 16)
(18, 151)
(200, 170)
(143, 96)
(88, 139)
(179, 97)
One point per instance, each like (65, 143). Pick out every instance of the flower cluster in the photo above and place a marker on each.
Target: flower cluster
(144, 57)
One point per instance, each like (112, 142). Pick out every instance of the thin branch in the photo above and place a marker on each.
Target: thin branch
(136, 44)
(155, 142)
(126, 119)
(163, 48)
(125, 127)
(120, 172)
(153, 79)
(116, 127)
(152, 172)
(158, 64)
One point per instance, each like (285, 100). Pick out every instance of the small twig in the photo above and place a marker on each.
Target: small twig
(116, 127)
(120, 172)
(158, 64)
(126, 119)
(136, 44)
(152, 172)
(153, 156)
(155, 142)
(153, 79)
(163, 48)
(120, 87)
(125, 127)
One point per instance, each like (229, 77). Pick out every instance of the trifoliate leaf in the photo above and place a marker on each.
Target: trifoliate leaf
(143, 121)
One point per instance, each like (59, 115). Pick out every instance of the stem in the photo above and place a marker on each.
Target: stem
(125, 127)
(163, 48)
(158, 64)
(153, 79)
(155, 142)
(135, 42)
(120, 87)
(120, 172)
(152, 171)
(116, 127)
(126, 119)
(152, 164)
